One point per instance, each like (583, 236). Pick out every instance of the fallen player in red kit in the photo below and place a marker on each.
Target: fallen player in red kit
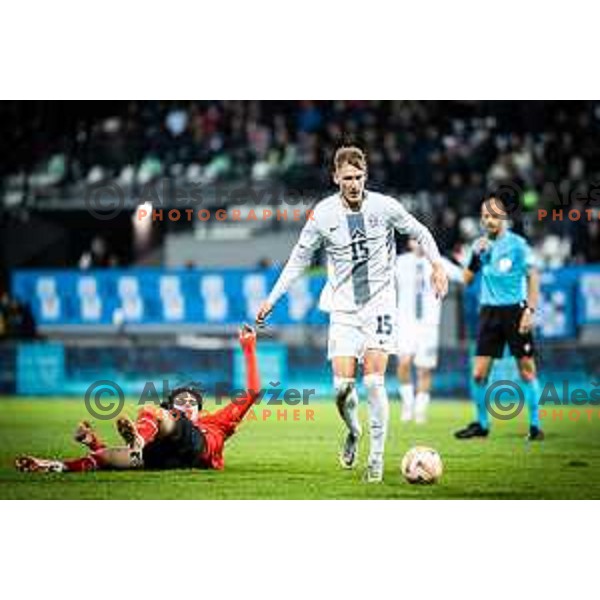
(176, 435)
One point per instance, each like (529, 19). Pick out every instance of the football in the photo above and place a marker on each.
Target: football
(422, 465)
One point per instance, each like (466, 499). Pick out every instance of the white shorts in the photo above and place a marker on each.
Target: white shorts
(371, 328)
(421, 341)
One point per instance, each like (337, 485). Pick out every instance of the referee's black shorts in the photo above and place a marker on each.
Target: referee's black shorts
(499, 325)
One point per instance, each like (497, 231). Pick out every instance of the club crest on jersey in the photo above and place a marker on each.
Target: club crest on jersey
(505, 264)
(374, 221)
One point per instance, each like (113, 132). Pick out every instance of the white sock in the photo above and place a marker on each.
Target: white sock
(346, 386)
(407, 397)
(421, 404)
(352, 406)
(378, 416)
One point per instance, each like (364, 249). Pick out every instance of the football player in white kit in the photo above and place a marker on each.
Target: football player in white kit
(356, 228)
(419, 315)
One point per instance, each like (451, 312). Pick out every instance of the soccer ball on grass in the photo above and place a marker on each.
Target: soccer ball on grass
(422, 465)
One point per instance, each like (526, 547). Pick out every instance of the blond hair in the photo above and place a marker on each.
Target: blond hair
(350, 155)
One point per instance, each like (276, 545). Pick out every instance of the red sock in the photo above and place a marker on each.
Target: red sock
(77, 465)
(147, 424)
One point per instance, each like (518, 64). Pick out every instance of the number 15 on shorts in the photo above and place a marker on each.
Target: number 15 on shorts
(384, 325)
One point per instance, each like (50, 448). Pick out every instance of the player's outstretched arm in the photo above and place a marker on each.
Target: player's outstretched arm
(403, 222)
(455, 272)
(299, 261)
(264, 310)
(230, 416)
(439, 279)
(248, 344)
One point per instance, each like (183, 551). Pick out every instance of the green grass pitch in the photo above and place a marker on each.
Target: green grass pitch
(298, 459)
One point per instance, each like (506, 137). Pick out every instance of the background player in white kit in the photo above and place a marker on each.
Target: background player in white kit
(418, 331)
(356, 228)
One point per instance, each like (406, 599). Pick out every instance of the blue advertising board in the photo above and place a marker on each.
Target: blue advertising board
(168, 297)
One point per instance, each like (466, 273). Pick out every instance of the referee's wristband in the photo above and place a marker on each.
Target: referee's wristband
(475, 263)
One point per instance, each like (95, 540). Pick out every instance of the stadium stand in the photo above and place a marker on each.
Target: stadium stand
(440, 156)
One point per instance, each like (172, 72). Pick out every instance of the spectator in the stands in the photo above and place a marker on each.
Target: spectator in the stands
(16, 319)
(98, 255)
(445, 154)
(264, 263)
(4, 308)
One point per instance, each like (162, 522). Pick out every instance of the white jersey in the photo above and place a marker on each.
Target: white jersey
(416, 298)
(326, 297)
(360, 249)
